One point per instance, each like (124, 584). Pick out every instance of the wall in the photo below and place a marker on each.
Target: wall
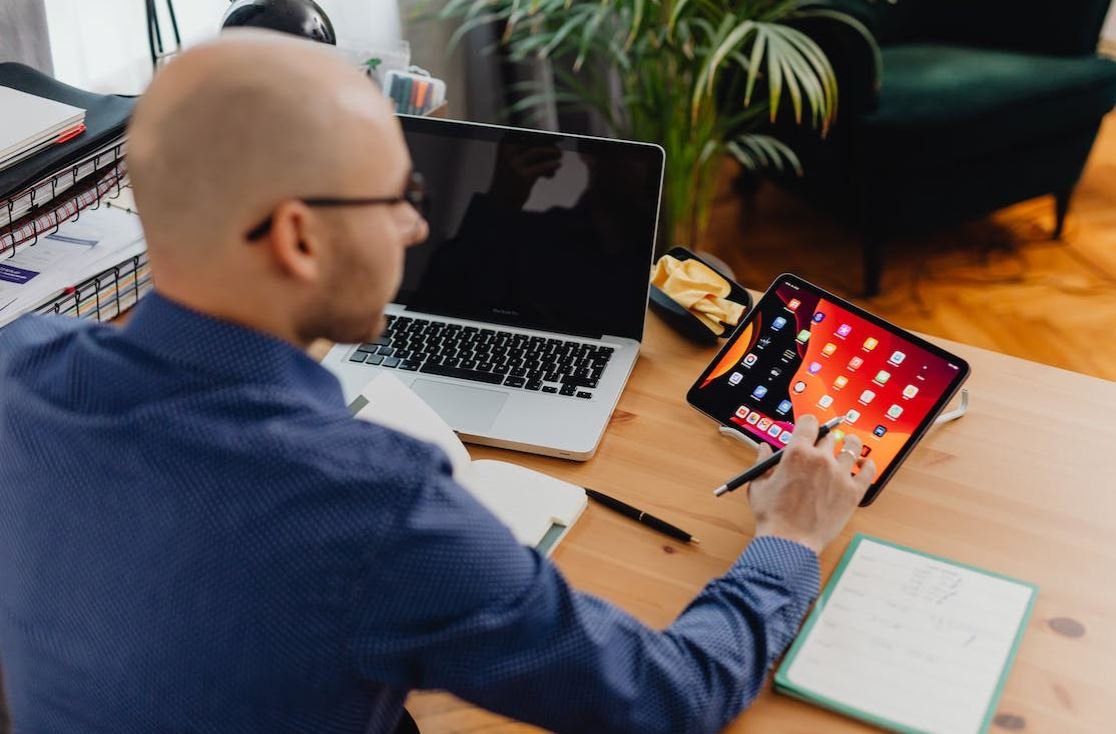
(102, 45)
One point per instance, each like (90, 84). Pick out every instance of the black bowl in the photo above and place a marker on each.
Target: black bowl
(680, 319)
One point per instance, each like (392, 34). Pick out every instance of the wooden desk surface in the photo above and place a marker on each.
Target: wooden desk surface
(1025, 485)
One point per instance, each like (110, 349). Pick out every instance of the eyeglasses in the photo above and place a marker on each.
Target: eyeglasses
(414, 194)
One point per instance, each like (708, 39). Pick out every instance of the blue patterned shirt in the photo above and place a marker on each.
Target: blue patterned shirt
(196, 536)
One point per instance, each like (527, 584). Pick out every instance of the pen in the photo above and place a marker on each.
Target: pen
(640, 516)
(759, 469)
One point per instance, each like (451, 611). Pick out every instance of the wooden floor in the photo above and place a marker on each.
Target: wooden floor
(999, 283)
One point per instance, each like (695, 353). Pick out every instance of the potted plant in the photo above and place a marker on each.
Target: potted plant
(703, 78)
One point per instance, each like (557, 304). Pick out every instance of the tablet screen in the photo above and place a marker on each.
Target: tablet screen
(804, 351)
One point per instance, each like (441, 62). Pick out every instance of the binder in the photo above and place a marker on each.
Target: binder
(106, 295)
(90, 191)
(18, 204)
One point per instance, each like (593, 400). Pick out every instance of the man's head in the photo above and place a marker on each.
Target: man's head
(243, 129)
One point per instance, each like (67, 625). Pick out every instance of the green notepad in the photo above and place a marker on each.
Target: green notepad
(909, 641)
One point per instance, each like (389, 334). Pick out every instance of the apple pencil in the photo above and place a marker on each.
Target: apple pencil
(761, 468)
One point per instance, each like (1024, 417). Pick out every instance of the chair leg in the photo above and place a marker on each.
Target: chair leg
(1061, 207)
(873, 263)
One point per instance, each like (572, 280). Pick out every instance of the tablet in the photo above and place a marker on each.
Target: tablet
(802, 351)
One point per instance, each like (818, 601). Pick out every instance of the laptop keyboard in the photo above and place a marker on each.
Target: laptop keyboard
(487, 355)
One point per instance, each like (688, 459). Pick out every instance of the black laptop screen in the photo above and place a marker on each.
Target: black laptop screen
(532, 229)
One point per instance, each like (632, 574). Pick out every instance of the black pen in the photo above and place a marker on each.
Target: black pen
(640, 516)
(759, 469)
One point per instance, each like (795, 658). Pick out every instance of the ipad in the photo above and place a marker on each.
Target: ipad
(802, 351)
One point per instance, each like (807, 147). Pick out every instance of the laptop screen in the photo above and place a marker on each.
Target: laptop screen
(533, 229)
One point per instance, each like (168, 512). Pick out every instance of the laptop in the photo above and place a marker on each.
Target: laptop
(520, 318)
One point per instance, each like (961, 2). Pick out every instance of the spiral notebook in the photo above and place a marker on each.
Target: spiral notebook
(908, 641)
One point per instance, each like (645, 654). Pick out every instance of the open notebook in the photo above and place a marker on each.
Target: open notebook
(909, 642)
(538, 509)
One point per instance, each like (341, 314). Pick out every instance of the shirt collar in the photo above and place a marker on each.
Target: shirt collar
(226, 350)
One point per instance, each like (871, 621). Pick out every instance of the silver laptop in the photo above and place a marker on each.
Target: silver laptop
(520, 318)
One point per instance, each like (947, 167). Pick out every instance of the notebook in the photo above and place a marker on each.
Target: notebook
(537, 508)
(908, 641)
(30, 123)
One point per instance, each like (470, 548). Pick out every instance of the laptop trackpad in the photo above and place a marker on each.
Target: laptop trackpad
(466, 409)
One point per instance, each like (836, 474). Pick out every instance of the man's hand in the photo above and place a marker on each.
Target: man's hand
(811, 494)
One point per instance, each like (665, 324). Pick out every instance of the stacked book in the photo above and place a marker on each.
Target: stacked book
(62, 155)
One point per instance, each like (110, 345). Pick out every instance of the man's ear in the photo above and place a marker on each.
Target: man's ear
(296, 241)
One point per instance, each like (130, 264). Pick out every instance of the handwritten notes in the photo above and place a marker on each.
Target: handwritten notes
(909, 641)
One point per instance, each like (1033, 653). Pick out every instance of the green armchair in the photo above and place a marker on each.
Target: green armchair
(971, 105)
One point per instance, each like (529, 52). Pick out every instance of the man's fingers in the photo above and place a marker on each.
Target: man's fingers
(866, 476)
(805, 431)
(850, 452)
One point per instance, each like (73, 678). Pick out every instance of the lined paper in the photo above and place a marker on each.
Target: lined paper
(911, 640)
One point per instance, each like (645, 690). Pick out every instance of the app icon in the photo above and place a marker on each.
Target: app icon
(753, 418)
(882, 377)
(759, 392)
(793, 304)
(897, 358)
(879, 431)
(852, 416)
(910, 391)
(803, 336)
(750, 360)
(819, 317)
(763, 342)
(825, 401)
(864, 451)
(785, 437)
(778, 323)
(829, 349)
(870, 343)
(894, 412)
(742, 412)
(840, 382)
(844, 330)
(775, 372)
(800, 386)
(815, 368)
(735, 378)
(866, 397)
(854, 363)
(764, 424)
(789, 354)
(784, 407)
(774, 431)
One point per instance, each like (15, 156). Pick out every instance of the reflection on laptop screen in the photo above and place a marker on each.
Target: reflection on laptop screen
(533, 229)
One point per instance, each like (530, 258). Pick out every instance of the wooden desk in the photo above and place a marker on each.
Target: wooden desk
(1025, 484)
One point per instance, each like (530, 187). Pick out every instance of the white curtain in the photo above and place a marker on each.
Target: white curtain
(101, 45)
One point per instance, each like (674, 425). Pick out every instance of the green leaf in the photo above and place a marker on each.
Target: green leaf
(754, 65)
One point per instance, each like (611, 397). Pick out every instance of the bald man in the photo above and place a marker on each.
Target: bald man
(195, 535)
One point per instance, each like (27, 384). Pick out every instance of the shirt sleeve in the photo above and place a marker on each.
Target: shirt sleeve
(454, 603)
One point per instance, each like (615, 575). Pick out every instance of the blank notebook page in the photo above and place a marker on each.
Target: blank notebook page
(910, 641)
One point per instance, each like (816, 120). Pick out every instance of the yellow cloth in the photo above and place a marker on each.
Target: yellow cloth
(697, 287)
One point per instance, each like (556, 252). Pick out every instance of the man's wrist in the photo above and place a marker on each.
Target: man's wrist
(795, 536)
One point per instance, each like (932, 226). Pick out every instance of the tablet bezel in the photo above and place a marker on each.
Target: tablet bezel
(916, 436)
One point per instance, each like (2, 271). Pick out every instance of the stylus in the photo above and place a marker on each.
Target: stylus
(761, 468)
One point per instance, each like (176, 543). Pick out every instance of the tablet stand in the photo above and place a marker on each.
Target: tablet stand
(947, 417)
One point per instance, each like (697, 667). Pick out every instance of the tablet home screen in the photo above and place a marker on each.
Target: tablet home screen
(803, 354)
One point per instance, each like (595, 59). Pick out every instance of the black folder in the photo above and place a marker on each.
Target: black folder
(106, 117)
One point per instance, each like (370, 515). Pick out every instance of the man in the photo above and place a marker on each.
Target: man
(195, 535)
